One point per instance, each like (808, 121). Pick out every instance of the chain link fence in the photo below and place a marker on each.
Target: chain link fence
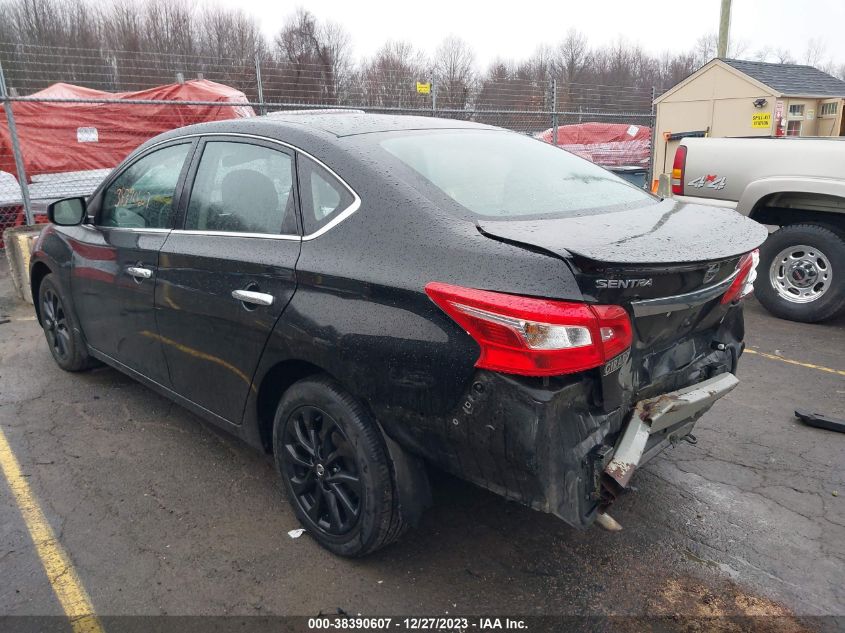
(71, 115)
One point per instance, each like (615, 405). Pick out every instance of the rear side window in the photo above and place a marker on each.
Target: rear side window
(242, 188)
(503, 174)
(142, 196)
(322, 195)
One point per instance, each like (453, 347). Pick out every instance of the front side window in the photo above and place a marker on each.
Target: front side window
(242, 188)
(506, 175)
(323, 196)
(142, 197)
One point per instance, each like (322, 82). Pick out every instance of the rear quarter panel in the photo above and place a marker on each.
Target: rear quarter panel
(360, 311)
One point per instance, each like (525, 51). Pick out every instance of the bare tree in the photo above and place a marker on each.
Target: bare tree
(571, 59)
(675, 68)
(498, 87)
(52, 26)
(309, 56)
(388, 79)
(783, 56)
(815, 52)
(228, 43)
(762, 54)
(454, 73)
(738, 49)
(339, 46)
(168, 25)
(571, 56)
(707, 46)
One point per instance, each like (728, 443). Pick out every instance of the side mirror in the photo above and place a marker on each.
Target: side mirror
(67, 212)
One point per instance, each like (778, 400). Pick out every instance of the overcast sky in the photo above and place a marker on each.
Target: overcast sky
(512, 30)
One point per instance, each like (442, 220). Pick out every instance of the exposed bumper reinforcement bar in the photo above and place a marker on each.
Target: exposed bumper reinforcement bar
(655, 414)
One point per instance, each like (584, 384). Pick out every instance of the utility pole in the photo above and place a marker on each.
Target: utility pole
(724, 28)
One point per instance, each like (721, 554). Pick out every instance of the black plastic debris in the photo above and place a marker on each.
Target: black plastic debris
(820, 420)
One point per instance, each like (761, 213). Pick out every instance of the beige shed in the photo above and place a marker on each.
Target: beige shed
(732, 97)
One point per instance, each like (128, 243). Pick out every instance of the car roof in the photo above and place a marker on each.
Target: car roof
(349, 123)
(310, 131)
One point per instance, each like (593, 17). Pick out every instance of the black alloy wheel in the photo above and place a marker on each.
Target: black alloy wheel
(56, 326)
(334, 464)
(320, 465)
(67, 345)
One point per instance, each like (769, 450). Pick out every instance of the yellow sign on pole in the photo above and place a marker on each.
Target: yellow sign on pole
(761, 120)
(424, 88)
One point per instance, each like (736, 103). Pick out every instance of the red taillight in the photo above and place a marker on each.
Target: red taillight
(743, 283)
(535, 337)
(678, 167)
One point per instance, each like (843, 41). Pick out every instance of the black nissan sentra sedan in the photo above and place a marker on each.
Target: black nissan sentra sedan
(362, 295)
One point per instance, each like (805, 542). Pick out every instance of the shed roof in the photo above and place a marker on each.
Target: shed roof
(786, 80)
(795, 80)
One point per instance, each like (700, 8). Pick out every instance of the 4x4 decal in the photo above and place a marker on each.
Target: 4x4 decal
(712, 181)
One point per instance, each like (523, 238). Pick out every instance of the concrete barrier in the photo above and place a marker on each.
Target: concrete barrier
(19, 241)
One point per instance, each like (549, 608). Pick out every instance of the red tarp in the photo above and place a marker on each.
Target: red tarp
(63, 137)
(606, 144)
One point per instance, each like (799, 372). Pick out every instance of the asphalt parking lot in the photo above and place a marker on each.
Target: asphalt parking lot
(161, 514)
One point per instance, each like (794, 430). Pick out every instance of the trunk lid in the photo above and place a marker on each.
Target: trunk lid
(663, 233)
(665, 301)
(668, 265)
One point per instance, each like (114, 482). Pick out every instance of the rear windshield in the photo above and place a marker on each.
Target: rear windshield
(503, 174)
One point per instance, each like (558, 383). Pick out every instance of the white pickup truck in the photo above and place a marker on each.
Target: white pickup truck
(797, 184)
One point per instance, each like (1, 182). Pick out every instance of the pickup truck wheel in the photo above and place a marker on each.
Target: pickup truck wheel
(335, 468)
(802, 273)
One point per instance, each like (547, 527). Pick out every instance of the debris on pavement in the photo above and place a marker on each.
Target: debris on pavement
(608, 522)
(296, 533)
(821, 421)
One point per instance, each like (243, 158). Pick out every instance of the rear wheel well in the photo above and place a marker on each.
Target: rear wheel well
(271, 390)
(39, 271)
(783, 209)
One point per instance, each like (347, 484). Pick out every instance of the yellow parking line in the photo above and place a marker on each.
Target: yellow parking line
(63, 578)
(838, 372)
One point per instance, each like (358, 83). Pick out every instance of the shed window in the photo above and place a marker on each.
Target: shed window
(793, 128)
(828, 109)
(796, 109)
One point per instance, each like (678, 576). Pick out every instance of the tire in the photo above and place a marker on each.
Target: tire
(343, 492)
(816, 255)
(61, 328)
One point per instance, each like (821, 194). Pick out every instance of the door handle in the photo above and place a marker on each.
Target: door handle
(255, 298)
(139, 273)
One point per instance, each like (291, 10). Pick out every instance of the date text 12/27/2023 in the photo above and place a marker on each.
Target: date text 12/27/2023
(454, 624)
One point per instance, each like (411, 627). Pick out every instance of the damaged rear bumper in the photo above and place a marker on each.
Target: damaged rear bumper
(548, 443)
(669, 416)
